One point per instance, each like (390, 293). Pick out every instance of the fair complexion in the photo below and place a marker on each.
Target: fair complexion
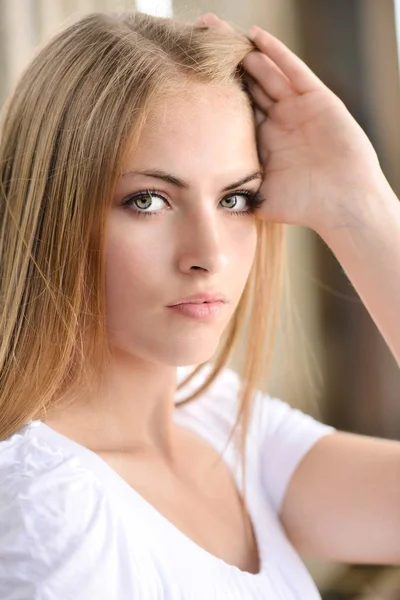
(321, 171)
(199, 239)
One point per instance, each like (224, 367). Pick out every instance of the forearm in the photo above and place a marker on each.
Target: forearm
(369, 252)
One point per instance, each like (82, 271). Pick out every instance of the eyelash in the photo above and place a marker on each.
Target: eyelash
(254, 199)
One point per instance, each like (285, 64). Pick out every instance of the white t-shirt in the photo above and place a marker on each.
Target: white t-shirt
(71, 528)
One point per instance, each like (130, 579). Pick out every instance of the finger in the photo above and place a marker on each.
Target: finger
(211, 20)
(299, 74)
(271, 79)
(207, 19)
(260, 98)
(259, 116)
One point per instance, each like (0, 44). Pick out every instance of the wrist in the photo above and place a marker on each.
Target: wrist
(372, 207)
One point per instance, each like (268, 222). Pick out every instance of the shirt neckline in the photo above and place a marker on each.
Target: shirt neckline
(106, 474)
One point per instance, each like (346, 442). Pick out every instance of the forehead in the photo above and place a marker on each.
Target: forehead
(199, 123)
(195, 105)
(198, 98)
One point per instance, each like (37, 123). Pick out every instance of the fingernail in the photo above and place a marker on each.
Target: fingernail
(211, 19)
(205, 19)
(253, 31)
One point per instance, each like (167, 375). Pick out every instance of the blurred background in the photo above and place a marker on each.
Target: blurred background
(330, 360)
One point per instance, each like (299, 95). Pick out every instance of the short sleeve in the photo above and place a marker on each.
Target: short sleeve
(285, 435)
(56, 527)
(280, 436)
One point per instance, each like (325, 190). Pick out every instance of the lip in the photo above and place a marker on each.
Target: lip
(199, 310)
(206, 297)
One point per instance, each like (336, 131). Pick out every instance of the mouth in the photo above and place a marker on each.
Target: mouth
(201, 298)
(197, 302)
(199, 310)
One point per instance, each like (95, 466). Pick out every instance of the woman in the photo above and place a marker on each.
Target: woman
(108, 489)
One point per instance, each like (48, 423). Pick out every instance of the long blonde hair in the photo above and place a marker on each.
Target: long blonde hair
(65, 130)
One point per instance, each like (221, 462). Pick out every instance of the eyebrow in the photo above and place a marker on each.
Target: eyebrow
(159, 174)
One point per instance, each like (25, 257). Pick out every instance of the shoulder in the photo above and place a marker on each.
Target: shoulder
(280, 435)
(270, 417)
(54, 515)
(31, 469)
(218, 405)
(284, 435)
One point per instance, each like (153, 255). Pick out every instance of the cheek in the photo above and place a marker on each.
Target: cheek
(138, 262)
(244, 247)
(133, 268)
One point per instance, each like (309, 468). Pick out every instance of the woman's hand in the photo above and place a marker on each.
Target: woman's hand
(320, 167)
(321, 171)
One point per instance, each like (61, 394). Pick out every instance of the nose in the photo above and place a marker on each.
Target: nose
(201, 243)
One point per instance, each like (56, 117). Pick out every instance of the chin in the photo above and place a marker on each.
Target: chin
(173, 349)
(188, 355)
(192, 358)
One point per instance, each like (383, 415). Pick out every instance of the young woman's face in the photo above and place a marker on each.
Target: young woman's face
(182, 239)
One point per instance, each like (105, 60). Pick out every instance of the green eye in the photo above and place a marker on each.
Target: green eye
(231, 200)
(143, 198)
(139, 203)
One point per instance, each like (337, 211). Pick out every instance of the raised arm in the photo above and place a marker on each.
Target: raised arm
(321, 171)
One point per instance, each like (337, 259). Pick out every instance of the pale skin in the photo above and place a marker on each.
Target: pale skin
(195, 242)
(320, 171)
